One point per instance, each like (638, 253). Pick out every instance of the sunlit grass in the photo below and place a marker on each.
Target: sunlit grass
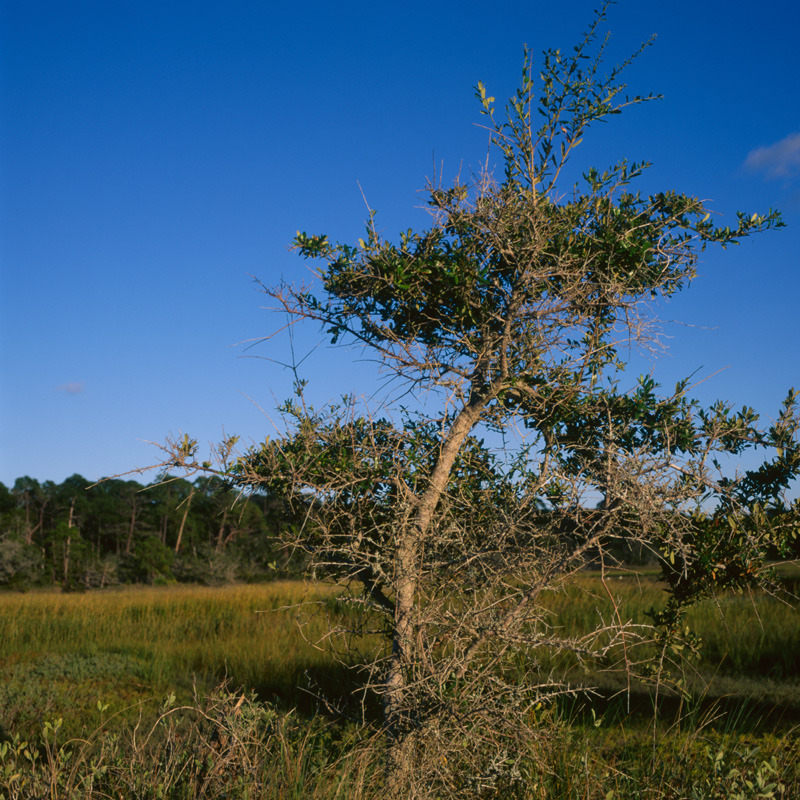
(145, 621)
(744, 639)
(132, 644)
(129, 648)
(70, 650)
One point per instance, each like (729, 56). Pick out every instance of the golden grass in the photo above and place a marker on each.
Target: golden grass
(129, 647)
(62, 652)
(133, 643)
(257, 620)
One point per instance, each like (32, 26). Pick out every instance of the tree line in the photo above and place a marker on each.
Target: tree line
(80, 535)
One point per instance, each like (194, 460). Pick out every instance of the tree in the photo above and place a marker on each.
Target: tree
(19, 560)
(454, 520)
(33, 500)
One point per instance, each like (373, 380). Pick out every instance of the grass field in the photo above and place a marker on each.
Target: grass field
(103, 664)
(66, 651)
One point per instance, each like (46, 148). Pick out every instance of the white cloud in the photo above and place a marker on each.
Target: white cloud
(71, 388)
(779, 160)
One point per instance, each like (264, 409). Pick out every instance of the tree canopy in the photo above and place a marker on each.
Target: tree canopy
(83, 536)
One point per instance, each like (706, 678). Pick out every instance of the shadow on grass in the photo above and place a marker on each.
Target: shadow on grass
(333, 690)
(738, 713)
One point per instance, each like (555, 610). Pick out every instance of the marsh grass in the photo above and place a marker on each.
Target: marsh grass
(749, 645)
(230, 745)
(104, 662)
(221, 745)
(66, 651)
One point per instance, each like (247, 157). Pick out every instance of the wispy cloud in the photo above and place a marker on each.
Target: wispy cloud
(779, 160)
(71, 388)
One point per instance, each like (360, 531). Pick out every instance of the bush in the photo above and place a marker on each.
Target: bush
(20, 563)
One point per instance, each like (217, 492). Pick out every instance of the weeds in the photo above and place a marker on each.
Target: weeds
(226, 745)
(230, 745)
(83, 678)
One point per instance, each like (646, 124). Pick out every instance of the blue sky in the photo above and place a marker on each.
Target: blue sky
(155, 156)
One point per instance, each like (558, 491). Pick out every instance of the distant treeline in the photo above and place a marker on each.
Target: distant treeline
(80, 536)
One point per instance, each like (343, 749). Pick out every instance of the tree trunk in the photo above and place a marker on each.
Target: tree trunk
(400, 762)
(221, 540)
(398, 723)
(66, 559)
(183, 521)
(134, 509)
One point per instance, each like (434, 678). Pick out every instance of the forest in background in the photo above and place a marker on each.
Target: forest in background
(80, 536)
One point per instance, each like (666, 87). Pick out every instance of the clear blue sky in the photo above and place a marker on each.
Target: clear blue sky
(155, 156)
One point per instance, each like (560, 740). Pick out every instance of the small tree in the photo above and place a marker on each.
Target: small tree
(508, 317)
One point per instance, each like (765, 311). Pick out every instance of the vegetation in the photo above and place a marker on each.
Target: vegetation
(80, 536)
(484, 622)
(526, 452)
(115, 693)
